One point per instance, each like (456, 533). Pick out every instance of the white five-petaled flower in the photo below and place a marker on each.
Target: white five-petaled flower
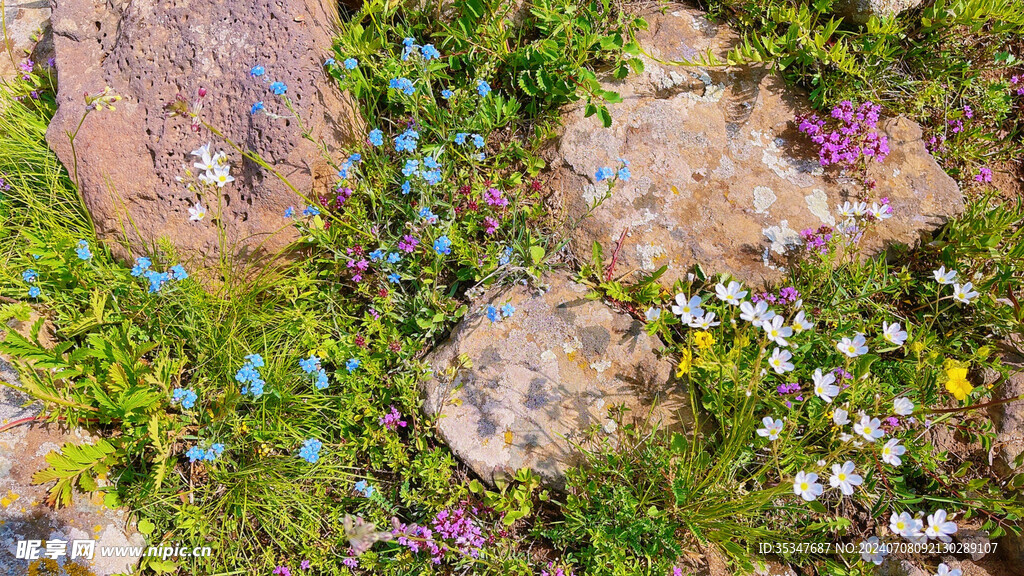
(652, 314)
(756, 314)
(964, 293)
(893, 333)
(939, 528)
(197, 212)
(806, 486)
(704, 322)
(880, 211)
(873, 551)
(944, 277)
(844, 478)
(892, 451)
(779, 361)
(686, 307)
(840, 417)
(944, 570)
(731, 294)
(869, 428)
(801, 323)
(905, 525)
(776, 332)
(221, 175)
(847, 210)
(206, 159)
(853, 348)
(772, 428)
(824, 385)
(903, 406)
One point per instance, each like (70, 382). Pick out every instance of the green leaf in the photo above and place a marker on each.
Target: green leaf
(537, 254)
(146, 526)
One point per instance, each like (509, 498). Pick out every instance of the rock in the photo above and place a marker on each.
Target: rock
(24, 515)
(1008, 418)
(148, 52)
(860, 11)
(540, 378)
(899, 567)
(720, 175)
(27, 23)
(977, 540)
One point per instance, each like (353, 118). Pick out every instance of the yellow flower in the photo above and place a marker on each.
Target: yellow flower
(957, 383)
(685, 363)
(703, 339)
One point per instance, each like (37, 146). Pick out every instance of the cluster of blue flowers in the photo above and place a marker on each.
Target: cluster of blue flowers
(310, 451)
(157, 280)
(307, 211)
(443, 245)
(407, 141)
(428, 215)
(606, 173)
(506, 255)
(427, 51)
(187, 398)
(376, 137)
(483, 88)
(352, 364)
(30, 276)
(196, 453)
(364, 489)
(250, 376)
(496, 315)
(278, 88)
(312, 366)
(478, 140)
(83, 250)
(403, 84)
(346, 166)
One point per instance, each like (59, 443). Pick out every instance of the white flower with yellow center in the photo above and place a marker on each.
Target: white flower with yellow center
(844, 478)
(197, 212)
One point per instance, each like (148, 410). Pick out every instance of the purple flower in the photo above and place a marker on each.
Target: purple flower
(408, 243)
(494, 198)
(491, 225)
(984, 175)
(392, 420)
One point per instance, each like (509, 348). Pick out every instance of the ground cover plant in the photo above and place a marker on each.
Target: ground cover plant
(276, 418)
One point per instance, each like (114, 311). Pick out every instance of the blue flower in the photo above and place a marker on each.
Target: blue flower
(217, 449)
(394, 257)
(506, 255)
(257, 71)
(187, 398)
(411, 167)
(83, 250)
(278, 88)
(406, 187)
(309, 365)
(460, 138)
(447, 94)
(624, 174)
(603, 174)
(428, 51)
(377, 254)
(256, 107)
(256, 360)
(493, 314)
(407, 141)
(478, 141)
(352, 364)
(34, 292)
(403, 84)
(141, 265)
(29, 276)
(310, 211)
(508, 310)
(195, 454)
(364, 488)
(321, 379)
(156, 280)
(376, 137)
(432, 176)
(409, 41)
(483, 88)
(329, 62)
(443, 245)
(351, 64)
(178, 272)
(310, 451)
(394, 278)
(255, 388)
(289, 212)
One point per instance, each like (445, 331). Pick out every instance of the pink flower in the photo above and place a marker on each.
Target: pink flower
(984, 175)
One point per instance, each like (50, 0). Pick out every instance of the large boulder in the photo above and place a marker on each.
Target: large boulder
(129, 160)
(1008, 417)
(860, 11)
(720, 174)
(538, 380)
(26, 23)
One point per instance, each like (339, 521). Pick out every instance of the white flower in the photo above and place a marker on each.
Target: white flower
(776, 331)
(893, 334)
(779, 361)
(806, 486)
(892, 451)
(880, 211)
(869, 428)
(938, 527)
(944, 277)
(221, 175)
(860, 208)
(197, 212)
(844, 478)
(840, 417)
(846, 210)
(903, 407)
(207, 162)
(824, 386)
(871, 550)
(652, 314)
(756, 314)
(704, 322)
(801, 323)
(772, 428)
(905, 525)
(731, 294)
(686, 307)
(944, 570)
(853, 348)
(964, 293)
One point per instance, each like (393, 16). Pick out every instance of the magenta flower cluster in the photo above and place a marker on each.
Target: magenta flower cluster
(450, 530)
(849, 137)
(817, 240)
(787, 295)
(393, 420)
